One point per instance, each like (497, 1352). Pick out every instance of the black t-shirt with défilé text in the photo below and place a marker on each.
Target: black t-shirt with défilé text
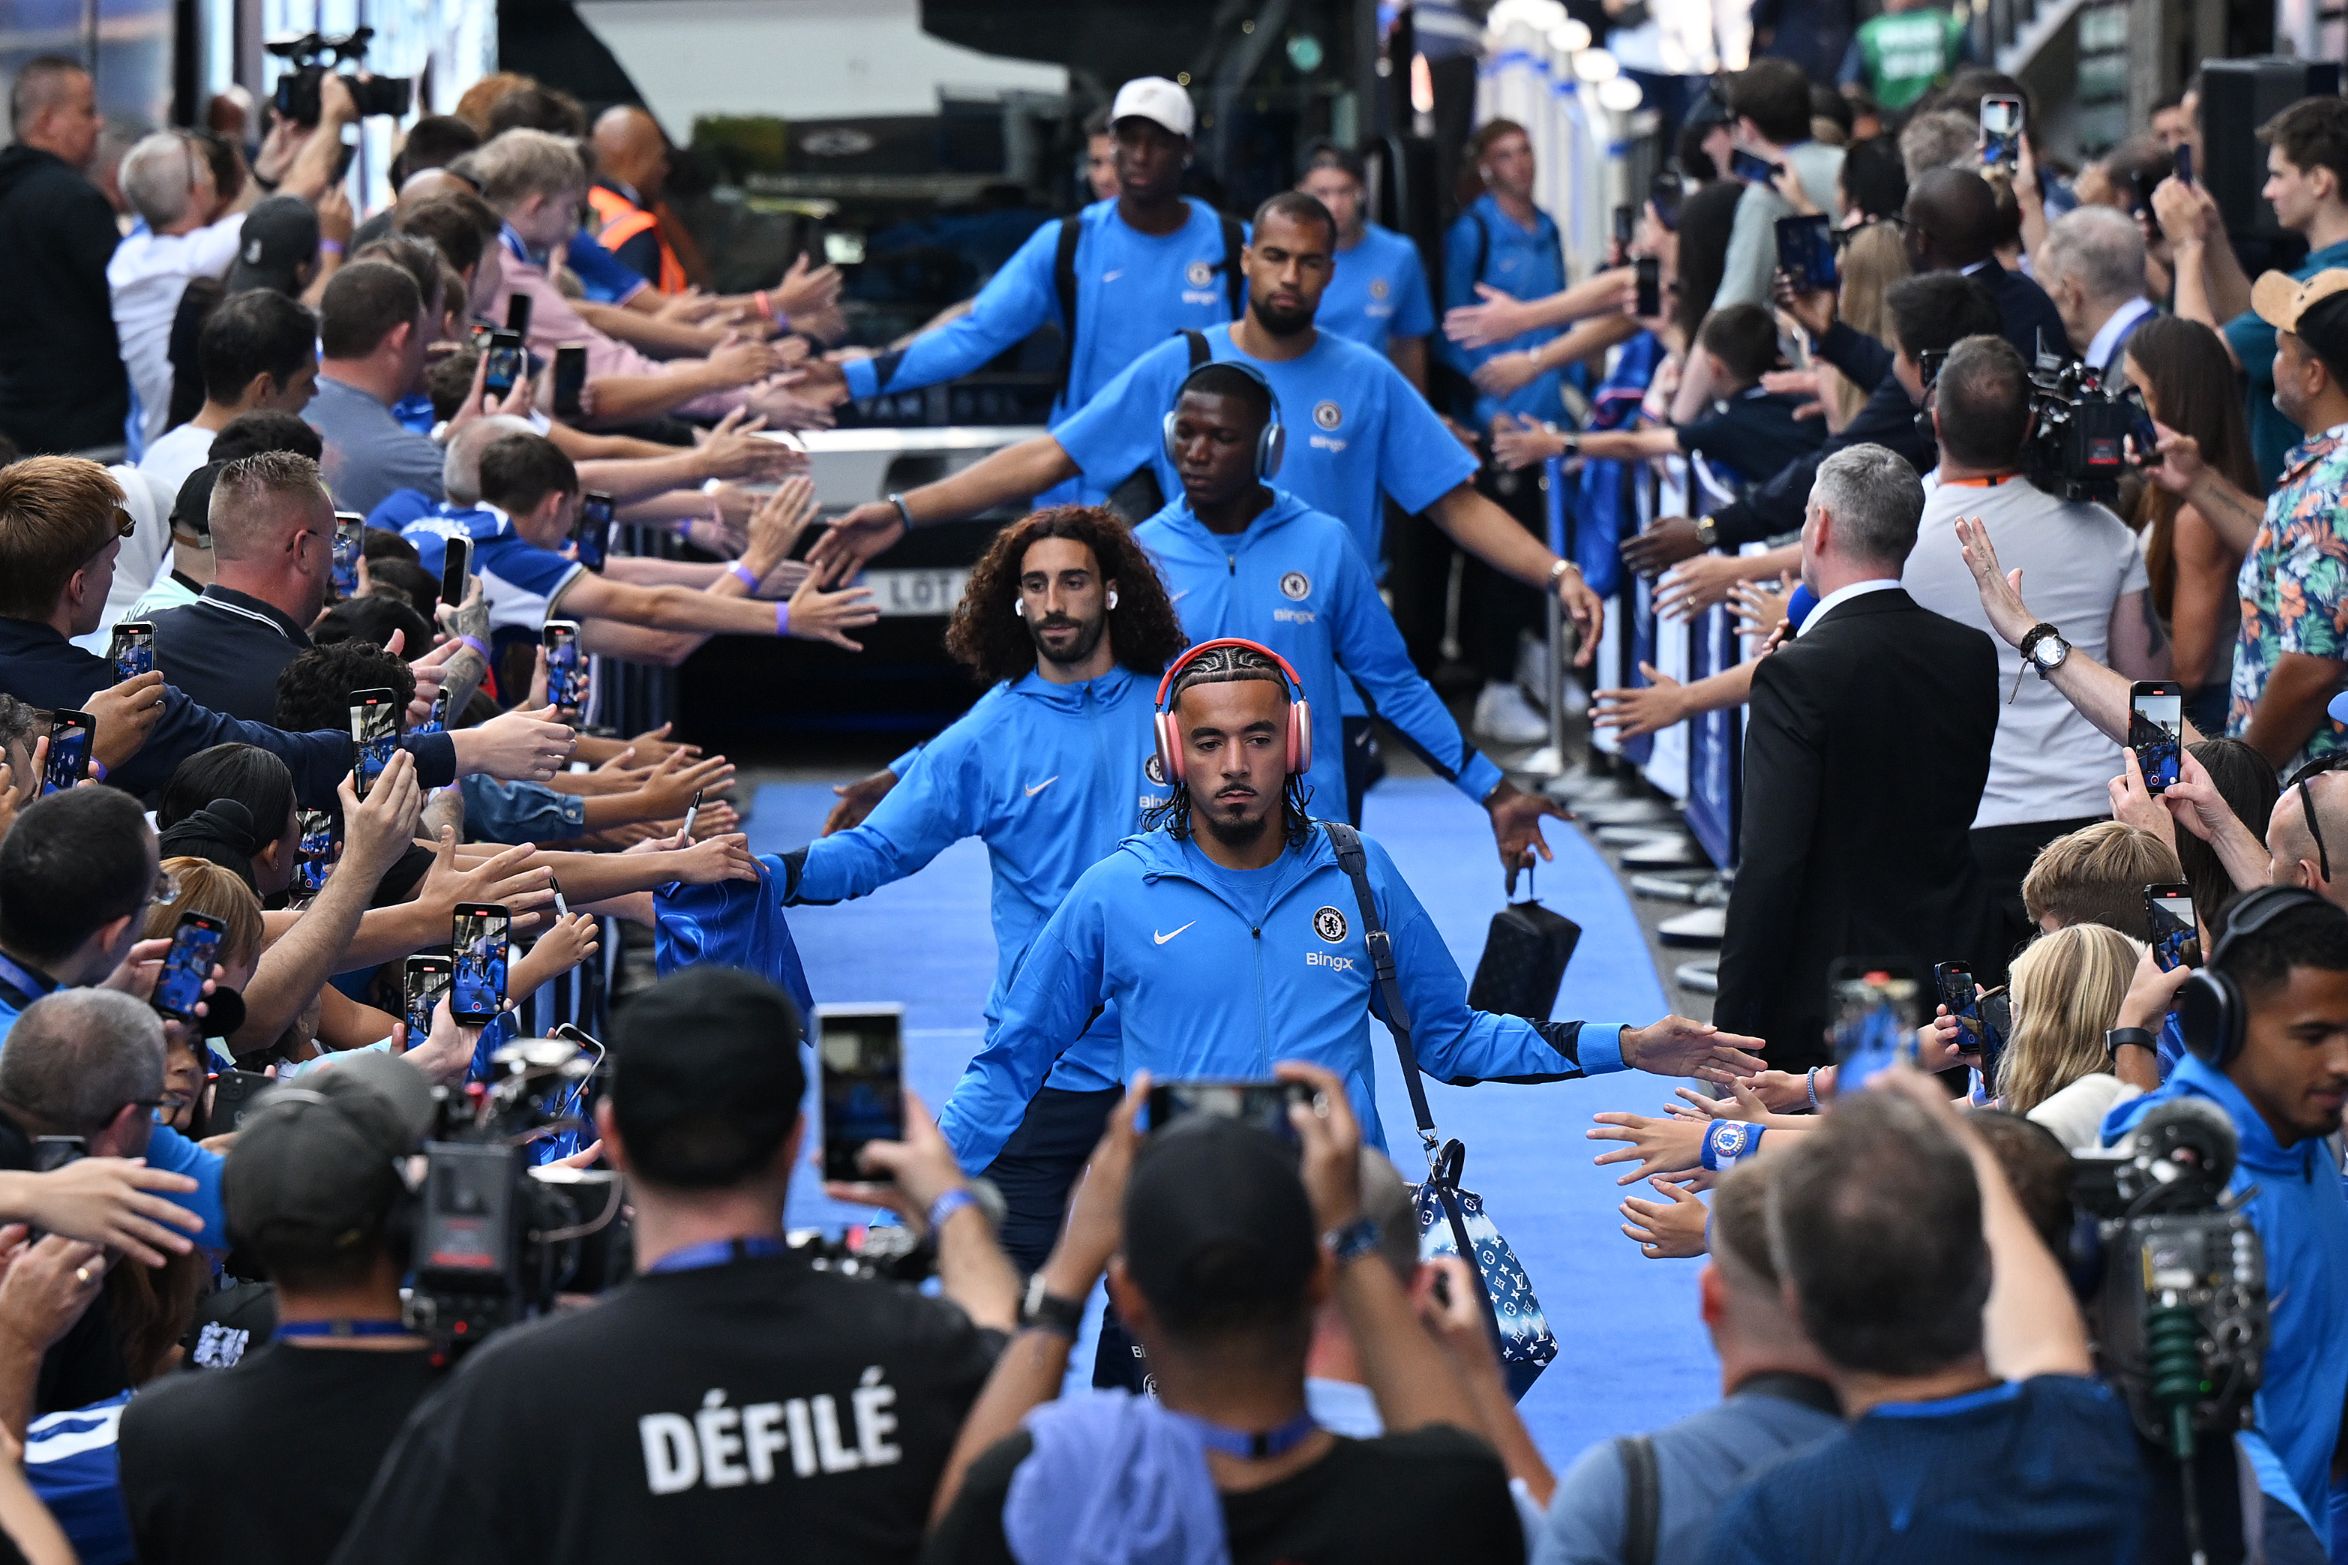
(1407, 1499)
(752, 1411)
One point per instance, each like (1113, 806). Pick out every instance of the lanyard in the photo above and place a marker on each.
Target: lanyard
(22, 984)
(717, 1252)
(1254, 1445)
(1990, 481)
(514, 246)
(342, 1329)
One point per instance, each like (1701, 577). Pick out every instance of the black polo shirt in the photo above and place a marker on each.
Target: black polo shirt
(226, 650)
(1752, 433)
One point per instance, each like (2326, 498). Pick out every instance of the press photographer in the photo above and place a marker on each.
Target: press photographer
(733, 1391)
(317, 1199)
(2267, 1026)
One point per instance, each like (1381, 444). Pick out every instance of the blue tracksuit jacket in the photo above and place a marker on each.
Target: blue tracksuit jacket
(1051, 777)
(1206, 987)
(1295, 581)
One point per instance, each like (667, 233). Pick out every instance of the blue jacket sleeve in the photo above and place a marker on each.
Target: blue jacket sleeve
(318, 760)
(1462, 1046)
(1459, 287)
(1370, 648)
(933, 806)
(1015, 301)
(1053, 998)
(168, 1149)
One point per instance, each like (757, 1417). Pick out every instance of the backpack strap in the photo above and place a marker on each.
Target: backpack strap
(1196, 342)
(1234, 280)
(1642, 1500)
(1355, 863)
(1064, 285)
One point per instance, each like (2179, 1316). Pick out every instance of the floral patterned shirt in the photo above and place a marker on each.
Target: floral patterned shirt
(2294, 583)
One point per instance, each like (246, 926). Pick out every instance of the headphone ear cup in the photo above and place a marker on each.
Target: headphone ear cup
(2209, 1014)
(1271, 446)
(1166, 441)
(1300, 737)
(1169, 753)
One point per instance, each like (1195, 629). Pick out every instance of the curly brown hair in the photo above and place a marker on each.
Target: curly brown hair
(986, 638)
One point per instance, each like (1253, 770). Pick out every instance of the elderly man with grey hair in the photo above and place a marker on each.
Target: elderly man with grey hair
(191, 228)
(2091, 265)
(1866, 746)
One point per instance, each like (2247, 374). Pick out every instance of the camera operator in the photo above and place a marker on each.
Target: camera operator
(1976, 1430)
(2276, 1061)
(313, 1189)
(2049, 770)
(732, 1393)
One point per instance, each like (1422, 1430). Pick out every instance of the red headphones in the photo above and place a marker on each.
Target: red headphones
(1300, 714)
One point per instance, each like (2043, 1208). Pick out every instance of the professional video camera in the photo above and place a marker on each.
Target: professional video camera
(2183, 1308)
(496, 1239)
(2080, 429)
(313, 55)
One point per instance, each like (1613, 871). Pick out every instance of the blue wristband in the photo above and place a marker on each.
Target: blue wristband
(743, 574)
(1728, 1140)
(945, 1206)
(782, 618)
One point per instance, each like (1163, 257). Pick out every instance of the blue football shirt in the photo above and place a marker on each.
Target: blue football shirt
(1357, 432)
(1378, 292)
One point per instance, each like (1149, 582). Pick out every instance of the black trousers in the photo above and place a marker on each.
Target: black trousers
(1495, 610)
(2003, 855)
(1039, 1165)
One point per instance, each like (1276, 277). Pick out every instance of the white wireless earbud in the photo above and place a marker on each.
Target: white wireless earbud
(1112, 597)
(1019, 607)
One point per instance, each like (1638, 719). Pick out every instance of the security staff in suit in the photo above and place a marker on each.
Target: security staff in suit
(1866, 749)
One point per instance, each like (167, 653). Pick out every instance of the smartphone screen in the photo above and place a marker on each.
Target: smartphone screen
(1263, 1104)
(1749, 168)
(1997, 1026)
(566, 667)
(423, 982)
(2184, 162)
(481, 934)
(2156, 719)
(1805, 250)
(350, 529)
(2001, 133)
(505, 363)
(1873, 1009)
(375, 729)
(570, 380)
(455, 566)
(1649, 273)
(133, 651)
(437, 721)
(592, 531)
(517, 314)
(314, 860)
(2168, 912)
(1623, 218)
(1952, 984)
(860, 1052)
(70, 736)
(195, 946)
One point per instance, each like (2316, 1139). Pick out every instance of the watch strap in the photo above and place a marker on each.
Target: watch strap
(2119, 1038)
(1355, 1240)
(1708, 532)
(1047, 1311)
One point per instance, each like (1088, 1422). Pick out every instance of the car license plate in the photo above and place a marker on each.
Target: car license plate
(914, 594)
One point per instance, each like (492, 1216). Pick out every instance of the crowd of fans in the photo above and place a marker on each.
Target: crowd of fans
(305, 547)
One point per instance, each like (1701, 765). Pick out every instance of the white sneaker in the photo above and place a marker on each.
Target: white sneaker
(1532, 677)
(1504, 716)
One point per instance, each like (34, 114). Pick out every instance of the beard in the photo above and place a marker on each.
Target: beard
(1231, 824)
(1088, 637)
(1280, 323)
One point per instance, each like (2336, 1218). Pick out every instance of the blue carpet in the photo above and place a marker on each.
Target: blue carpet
(1632, 1352)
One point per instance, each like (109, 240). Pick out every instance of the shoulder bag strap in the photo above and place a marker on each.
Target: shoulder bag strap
(1234, 279)
(1642, 1507)
(1064, 284)
(1196, 343)
(1355, 863)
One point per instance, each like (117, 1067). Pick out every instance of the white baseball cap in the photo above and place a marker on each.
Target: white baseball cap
(1157, 100)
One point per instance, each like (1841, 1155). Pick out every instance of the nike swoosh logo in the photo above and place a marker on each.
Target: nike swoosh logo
(1041, 786)
(1162, 939)
(1110, 277)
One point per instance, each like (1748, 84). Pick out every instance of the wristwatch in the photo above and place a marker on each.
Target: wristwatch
(2044, 648)
(1558, 568)
(1356, 1239)
(2119, 1038)
(1044, 1310)
(1707, 532)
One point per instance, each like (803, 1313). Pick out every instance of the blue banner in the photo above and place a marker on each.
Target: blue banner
(1715, 743)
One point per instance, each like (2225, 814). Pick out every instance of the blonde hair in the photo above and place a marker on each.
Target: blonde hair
(2066, 993)
(209, 888)
(1873, 258)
